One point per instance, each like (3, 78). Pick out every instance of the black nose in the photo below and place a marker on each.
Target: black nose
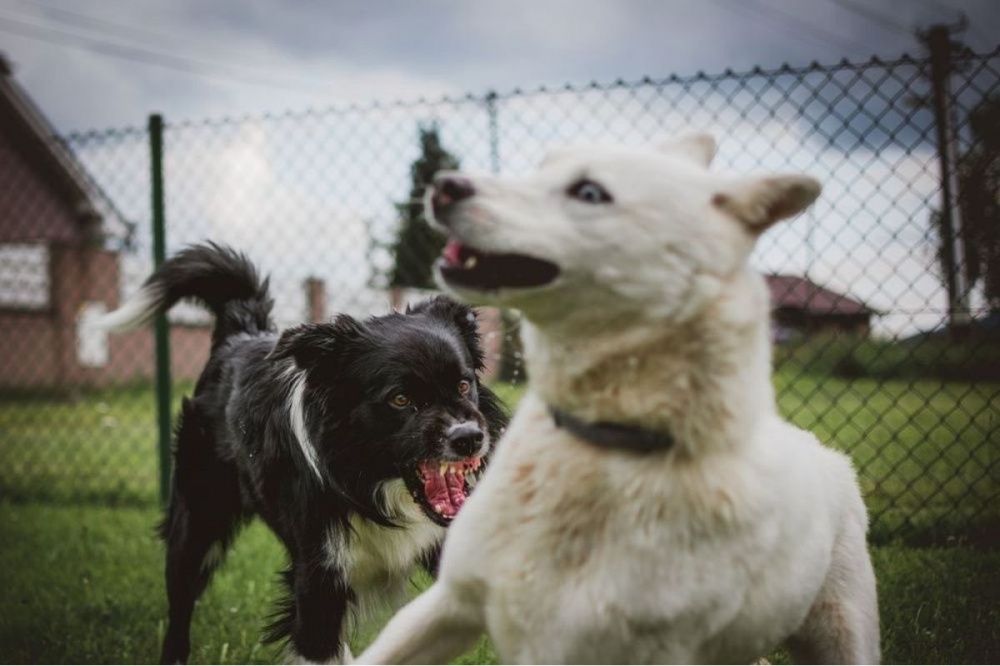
(465, 439)
(449, 190)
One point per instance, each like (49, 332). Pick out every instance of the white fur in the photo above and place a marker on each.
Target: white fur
(297, 418)
(372, 555)
(378, 561)
(747, 534)
(134, 312)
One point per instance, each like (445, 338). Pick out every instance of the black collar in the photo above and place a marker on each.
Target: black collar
(613, 435)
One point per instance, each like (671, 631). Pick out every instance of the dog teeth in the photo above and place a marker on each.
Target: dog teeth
(470, 262)
(460, 468)
(453, 468)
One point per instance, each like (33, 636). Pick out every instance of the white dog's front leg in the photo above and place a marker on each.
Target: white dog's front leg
(434, 628)
(842, 627)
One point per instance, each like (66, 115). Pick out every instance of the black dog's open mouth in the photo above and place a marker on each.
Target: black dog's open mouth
(463, 266)
(441, 487)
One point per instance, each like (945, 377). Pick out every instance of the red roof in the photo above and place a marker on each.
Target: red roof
(799, 293)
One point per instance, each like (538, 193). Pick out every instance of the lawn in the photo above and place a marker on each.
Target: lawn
(81, 571)
(928, 452)
(83, 584)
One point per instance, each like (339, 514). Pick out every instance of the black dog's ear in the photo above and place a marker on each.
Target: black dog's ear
(460, 316)
(311, 345)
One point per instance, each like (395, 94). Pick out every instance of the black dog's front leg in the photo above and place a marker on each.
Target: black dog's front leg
(321, 599)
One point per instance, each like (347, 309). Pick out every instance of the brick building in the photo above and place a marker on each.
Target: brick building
(801, 308)
(58, 267)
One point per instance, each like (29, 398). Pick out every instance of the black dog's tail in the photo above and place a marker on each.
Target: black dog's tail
(218, 277)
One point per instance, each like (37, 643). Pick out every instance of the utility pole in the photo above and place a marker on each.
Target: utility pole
(939, 44)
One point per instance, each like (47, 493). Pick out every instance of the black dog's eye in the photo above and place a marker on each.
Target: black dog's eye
(464, 387)
(400, 400)
(589, 192)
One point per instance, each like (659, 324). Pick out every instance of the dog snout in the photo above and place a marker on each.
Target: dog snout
(448, 190)
(464, 439)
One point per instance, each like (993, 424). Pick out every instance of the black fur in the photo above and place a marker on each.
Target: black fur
(222, 280)
(236, 454)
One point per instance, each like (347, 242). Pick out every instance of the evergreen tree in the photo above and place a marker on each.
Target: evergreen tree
(417, 245)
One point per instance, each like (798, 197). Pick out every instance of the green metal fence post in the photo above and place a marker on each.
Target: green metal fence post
(161, 328)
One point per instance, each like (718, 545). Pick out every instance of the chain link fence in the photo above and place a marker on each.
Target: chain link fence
(886, 329)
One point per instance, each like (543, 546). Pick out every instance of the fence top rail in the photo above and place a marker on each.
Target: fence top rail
(785, 69)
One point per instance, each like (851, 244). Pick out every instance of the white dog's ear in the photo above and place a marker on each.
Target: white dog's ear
(699, 148)
(761, 202)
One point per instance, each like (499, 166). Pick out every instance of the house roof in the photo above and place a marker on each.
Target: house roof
(30, 135)
(799, 293)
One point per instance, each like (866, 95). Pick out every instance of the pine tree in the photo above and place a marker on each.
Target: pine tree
(417, 245)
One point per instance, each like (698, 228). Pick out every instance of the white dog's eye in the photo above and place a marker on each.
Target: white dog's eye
(588, 191)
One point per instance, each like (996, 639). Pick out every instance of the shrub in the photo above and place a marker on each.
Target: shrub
(924, 357)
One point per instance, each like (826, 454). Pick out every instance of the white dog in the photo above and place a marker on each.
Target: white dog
(647, 503)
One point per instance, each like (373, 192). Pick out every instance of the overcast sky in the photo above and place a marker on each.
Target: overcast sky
(320, 187)
(102, 63)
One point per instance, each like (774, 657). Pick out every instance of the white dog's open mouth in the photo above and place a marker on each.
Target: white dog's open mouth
(467, 267)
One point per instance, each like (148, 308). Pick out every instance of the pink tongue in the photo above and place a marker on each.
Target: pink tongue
(456, 489)
(445, 493)
(452, 253)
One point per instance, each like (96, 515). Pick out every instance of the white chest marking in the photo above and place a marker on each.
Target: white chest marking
(373, 556)
(297, 416)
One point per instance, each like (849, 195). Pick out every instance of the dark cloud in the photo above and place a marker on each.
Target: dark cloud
(331, 52)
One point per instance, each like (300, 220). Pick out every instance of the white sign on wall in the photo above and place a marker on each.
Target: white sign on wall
(91, 341)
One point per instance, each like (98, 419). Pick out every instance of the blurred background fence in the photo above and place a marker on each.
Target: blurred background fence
(886, 294)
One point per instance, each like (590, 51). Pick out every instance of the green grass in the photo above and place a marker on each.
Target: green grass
(81, 571)
(928, 452)
(84, 584)
(98, 446)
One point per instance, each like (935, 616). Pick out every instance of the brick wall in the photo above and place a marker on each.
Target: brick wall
(39, 349)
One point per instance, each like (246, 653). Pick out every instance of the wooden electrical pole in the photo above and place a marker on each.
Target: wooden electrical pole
(939, 44)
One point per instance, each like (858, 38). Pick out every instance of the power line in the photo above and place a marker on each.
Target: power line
(143, 55)
(875, 17)
(138, 34)
(746, 13)
(830, 38)
(944, 8)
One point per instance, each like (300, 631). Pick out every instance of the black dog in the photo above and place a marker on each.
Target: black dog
(356, 442)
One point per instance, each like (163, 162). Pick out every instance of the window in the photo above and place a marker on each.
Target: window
(24, 276)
